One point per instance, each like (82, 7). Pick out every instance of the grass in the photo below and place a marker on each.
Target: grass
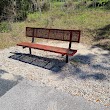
(88, 21)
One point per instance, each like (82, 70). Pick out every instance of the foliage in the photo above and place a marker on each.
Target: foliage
(4, 27)
(45, 6)
(14, 10)
(107, 5)
(93, 22)
(17, 10)
(32, 17)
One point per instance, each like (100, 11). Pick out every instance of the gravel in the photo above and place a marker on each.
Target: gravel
(87, 74)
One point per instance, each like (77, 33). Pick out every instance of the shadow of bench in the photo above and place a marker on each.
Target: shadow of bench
(54, 65)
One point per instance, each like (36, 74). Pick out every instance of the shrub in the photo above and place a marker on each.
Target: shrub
(5, 27)
(45, 6)
(107, 5)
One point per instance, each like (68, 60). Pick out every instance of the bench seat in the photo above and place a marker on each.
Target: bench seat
(63, 51)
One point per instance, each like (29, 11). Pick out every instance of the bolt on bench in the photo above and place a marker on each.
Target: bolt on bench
(54, 34)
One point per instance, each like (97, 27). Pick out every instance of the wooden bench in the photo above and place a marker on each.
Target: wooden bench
(55, 34)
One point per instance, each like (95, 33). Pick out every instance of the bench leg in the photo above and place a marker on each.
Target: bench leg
(30, 51)
(66, 58)
(62, 55)
(24, 47)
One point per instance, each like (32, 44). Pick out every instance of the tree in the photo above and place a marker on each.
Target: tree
(13, 10)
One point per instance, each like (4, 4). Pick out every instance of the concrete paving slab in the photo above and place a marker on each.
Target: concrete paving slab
(33, 95)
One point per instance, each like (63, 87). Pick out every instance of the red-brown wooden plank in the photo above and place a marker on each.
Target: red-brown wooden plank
(60, 50)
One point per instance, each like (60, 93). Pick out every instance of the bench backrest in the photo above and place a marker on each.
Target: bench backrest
(56, 34)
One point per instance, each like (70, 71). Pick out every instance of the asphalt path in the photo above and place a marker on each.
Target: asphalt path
(33, 95)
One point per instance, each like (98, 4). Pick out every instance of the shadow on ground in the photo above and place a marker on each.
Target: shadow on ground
(7, 84)
(103, 32)
(80, 65)
(103, 37)
(86, 68)
(54, 65)
(2, 71)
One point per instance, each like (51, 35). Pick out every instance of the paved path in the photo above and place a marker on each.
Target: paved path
(33, 95)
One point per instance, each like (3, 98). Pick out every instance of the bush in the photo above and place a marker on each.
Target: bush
(108, 5)
(45, 6)
(22, 15)
(5, 27)
(32, 17)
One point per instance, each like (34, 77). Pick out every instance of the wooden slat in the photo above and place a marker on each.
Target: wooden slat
(59, 50)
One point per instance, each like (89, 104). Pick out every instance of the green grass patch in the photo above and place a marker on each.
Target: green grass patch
(4, 27)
